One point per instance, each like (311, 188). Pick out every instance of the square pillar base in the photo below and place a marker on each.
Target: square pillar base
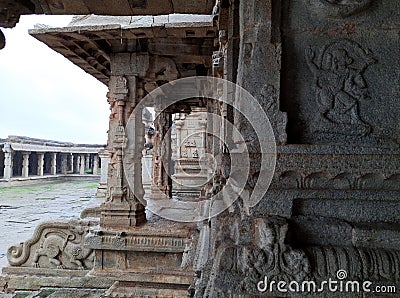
(122, 215)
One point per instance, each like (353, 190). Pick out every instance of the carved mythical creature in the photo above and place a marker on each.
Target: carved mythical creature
(340, 85)
(56, 249)
(54, 244)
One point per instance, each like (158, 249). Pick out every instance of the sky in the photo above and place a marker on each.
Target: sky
(44, 95)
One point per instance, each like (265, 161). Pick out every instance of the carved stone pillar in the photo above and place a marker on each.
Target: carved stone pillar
(8, 161)
(178, 124)
(82, 164)
(64, 164)
(71, 165)
(162, 182)
(75, 168)
(105, 159)
(53, 170)
(40, 170)
(87, 164)
(122, 208)
(25, 164)
(95, 164)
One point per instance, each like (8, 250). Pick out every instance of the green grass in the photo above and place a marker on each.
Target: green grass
(42, 188)
(46, 292)
(22, 295)
(92, 186)
(17, 189)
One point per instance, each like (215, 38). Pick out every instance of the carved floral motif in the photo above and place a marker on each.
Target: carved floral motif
(345, 181)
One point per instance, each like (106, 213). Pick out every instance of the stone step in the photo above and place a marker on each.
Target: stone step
(55, 293)
(146, 290)
(76, 293)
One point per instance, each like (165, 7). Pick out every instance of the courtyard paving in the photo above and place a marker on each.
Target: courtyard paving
(22, 208)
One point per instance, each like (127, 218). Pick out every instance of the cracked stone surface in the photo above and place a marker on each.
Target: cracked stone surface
(22, 208)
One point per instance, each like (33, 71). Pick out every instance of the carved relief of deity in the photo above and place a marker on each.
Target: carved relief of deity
(339, 8)
(340, 86)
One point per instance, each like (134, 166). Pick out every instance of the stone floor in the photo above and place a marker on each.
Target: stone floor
(55, 293)
(22, 208)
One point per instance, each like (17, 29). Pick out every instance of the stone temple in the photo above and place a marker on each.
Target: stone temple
(317, 212)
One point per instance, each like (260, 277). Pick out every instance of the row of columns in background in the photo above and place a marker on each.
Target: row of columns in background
(70, 163)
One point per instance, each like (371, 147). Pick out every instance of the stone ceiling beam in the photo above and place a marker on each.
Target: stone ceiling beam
(89, 40)
(10, 11)
(122, 7)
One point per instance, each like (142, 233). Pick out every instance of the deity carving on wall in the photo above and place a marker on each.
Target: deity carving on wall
(340, 87)
(339, 8)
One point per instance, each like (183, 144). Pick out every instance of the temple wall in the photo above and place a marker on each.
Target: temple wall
(327, 75)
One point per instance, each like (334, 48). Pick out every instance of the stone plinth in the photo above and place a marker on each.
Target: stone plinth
(155, 258)
(189, 178)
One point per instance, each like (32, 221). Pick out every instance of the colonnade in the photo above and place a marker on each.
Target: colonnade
(24, 160)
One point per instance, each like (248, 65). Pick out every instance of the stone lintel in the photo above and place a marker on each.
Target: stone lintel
(60, 149)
